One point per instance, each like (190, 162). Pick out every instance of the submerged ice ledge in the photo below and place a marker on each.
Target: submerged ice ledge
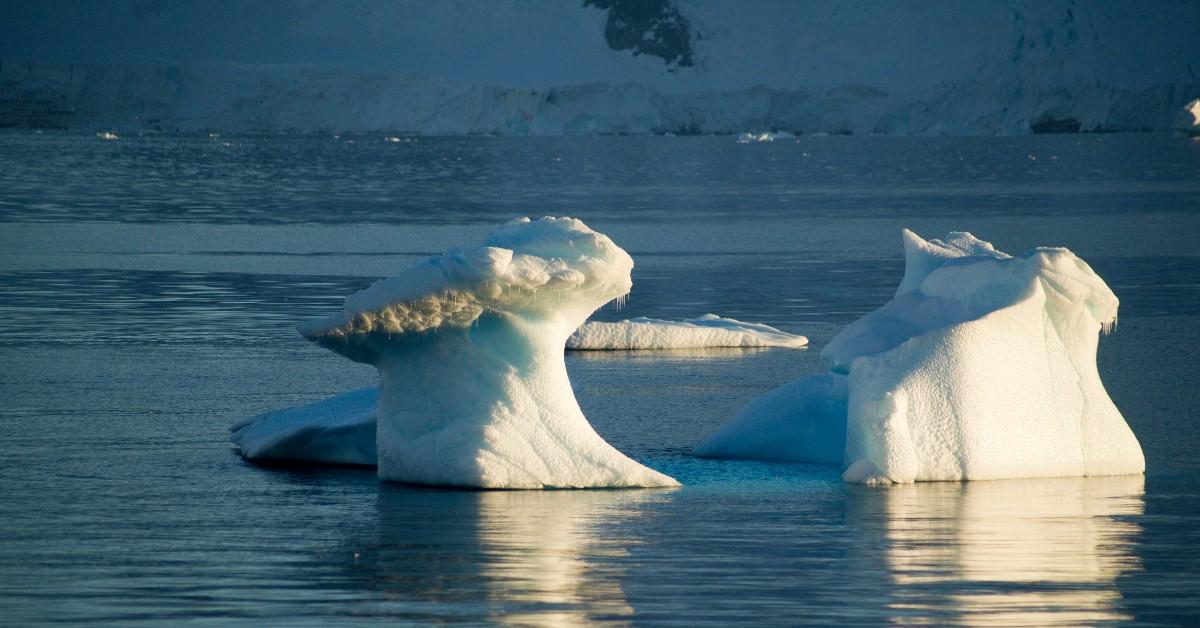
(473, 387)
(983, 366)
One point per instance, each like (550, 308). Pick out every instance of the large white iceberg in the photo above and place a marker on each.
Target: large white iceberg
(469, 346)
(709, 330)
(983, 366)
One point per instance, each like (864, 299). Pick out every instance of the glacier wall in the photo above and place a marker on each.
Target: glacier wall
(599, 66)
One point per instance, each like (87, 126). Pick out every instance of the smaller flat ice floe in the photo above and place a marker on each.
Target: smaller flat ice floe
(983, 366)
(1188, 119)
(107, 135)
(706, 331)
(473, 385)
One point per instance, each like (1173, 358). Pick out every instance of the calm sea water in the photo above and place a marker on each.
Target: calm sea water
(149, 287)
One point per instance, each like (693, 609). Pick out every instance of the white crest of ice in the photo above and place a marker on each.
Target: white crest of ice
(469, 346)
(709, 330)
(1188, 118)
(983, 366)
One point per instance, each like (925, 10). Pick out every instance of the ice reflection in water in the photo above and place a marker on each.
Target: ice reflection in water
(1025, 552)
(533, 557)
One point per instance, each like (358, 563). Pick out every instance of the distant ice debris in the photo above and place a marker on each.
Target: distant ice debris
(1188, 119)
(107, 135)
(709, 330)
(983, 366)
(469, 346)
(768, 136)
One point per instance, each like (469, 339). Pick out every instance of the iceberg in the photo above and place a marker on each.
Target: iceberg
(469, 347)
(983, 366)
(709, 330)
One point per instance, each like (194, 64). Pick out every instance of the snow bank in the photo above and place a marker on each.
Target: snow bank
(1188, 120)
(983, 366)
(469, 346)
(339, 430)
(709, 330)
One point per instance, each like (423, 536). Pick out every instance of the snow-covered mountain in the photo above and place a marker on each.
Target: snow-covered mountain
(521, 67)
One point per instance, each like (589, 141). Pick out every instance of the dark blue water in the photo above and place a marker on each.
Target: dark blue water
(148, 293)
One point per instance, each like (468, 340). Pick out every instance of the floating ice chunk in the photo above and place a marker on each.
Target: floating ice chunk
(339, 429)
(803, 420)
(107, 135)
(983, 366)
(469, 346)
(766, 136)
(1188, 119)
(709, 330)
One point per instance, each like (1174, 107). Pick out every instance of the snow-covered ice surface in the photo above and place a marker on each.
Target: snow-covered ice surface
(983, 366)
(469, 347)
(709, 330)
(1188, 119)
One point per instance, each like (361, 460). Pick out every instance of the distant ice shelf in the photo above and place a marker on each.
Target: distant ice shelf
(573, 68)
(983, 366)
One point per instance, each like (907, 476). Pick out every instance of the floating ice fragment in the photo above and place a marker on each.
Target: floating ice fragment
(766, 136)
(107, 135)
(983, 366)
